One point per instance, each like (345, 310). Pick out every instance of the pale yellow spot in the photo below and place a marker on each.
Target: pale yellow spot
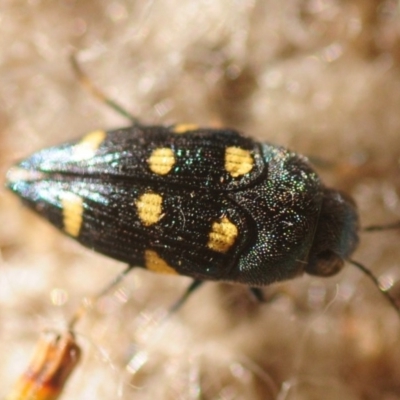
(87, 147)
(222, 236)
(161, 160)
(155, 263)
(72, 211)
(149, 208)
(183, 128)
(238, 161)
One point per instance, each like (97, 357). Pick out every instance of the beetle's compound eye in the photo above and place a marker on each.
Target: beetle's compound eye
(325, 263)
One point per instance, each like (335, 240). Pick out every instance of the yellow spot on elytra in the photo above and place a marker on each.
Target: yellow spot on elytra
(72, 211)
(183, 128)
(155, 263)
(222, 236)
(87, 147)
(161, 160)
(149, 208)
(238, 161)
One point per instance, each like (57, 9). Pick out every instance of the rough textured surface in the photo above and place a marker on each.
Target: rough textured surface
(319, 76)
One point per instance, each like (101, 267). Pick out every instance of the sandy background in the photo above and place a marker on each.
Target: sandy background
(320, 76)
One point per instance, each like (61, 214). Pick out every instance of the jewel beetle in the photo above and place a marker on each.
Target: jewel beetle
(211, 204)
(207, 203)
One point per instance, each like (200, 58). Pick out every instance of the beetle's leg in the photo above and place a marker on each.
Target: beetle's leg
(265, 295)
(115, 281)
(179, 303)
(257, 294)
(384, 227)
(96, 92)
(85, 304)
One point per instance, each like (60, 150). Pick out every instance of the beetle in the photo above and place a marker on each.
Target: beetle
(211, 204)
(206, 203)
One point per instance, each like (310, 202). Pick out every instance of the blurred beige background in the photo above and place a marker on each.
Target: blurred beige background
(319, 76)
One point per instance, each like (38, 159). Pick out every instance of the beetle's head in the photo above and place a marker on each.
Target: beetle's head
(336, 236)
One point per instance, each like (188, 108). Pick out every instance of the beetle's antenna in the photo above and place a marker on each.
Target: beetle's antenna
(366, 271)
(374, 279)
(86, 82)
